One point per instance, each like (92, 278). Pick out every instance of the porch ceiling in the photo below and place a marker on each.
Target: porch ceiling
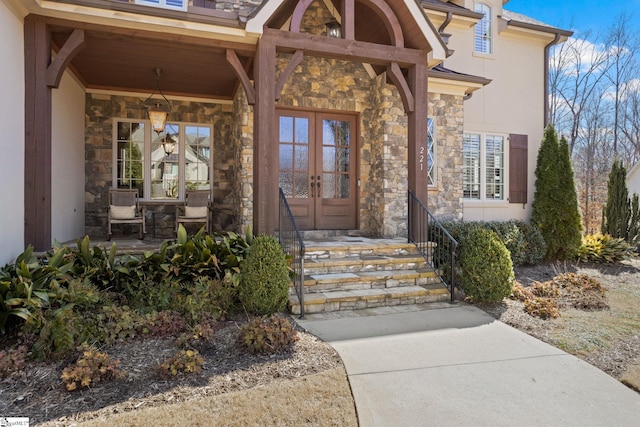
(116, 60)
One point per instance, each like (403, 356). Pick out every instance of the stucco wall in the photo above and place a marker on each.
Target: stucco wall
(67, 160)
(633, 179)
(512, 103)
(12, 141)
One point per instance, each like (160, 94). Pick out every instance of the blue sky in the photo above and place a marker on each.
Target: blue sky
(579, 16)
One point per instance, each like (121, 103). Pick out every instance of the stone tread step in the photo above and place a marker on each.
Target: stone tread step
(368, 280)
(362, 262)
(368, 298)
(332, 249)
(368, 275)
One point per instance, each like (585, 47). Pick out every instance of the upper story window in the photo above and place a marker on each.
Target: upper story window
(162, 166)
(483, 172)
(165, 4)
(483, 39)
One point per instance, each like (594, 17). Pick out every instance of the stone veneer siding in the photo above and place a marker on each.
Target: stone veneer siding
(101, 110)
(329, 84)
(445, 199)
(243, 141)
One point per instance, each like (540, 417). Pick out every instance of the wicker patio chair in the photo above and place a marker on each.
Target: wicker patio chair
(196, 209)
(124, 208)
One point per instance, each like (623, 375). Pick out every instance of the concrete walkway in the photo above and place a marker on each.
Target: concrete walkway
(456, 365)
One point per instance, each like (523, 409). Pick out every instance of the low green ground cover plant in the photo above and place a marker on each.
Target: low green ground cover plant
(266, 335)
(54, 303)
(92, 367)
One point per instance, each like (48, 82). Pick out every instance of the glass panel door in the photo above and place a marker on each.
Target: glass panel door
(316, 168)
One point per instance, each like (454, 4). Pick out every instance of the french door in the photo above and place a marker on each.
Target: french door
(317, 168)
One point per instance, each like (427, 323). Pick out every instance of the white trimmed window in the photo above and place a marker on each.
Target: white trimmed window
(162, 166)
(165, 4)
(431, 159)
(483, 167)
(483, 30)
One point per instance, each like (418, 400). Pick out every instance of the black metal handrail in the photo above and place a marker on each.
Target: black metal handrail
(433, 241)
(293, 246)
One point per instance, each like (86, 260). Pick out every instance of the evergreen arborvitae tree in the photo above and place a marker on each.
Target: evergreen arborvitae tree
(617, 211)
(555, 205)
(569, 228)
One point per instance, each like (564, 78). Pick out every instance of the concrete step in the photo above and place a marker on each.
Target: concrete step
(338, 300)
(362, 263)
(368, 280)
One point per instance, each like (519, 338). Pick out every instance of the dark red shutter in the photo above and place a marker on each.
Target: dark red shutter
(518, 168)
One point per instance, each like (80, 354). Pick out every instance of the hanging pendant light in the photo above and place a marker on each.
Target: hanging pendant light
(157, 110)
(168, 145)
(333, 28)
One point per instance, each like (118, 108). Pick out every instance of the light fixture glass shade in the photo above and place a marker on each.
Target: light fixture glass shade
(169, 145)
(158, 118)
(333, 28)
(157, 110)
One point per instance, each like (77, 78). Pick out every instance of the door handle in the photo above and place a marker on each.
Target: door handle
(313, 191)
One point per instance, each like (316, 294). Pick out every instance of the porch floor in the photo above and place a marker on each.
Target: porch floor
(349, 244)
(124, 245)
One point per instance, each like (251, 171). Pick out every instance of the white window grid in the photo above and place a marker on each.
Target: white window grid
(178, 173)
(483, 174)
(165, 4)
(483, 29)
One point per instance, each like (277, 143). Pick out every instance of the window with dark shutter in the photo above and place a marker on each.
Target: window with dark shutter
(518, 168)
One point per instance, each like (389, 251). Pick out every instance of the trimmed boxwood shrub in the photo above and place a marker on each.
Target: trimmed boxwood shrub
(524, 242)
(264, 283)
(487, 270)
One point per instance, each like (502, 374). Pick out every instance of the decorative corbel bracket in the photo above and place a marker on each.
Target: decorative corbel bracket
(72, 46)
(396, 76)
(296, 59)
(234, 61)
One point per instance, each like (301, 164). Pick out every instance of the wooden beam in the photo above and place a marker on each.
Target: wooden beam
(265, 158)
(417, 133)
(235, 63)
(396, 76)
(243, 49)
(390, 20)
(37, 136)
(298, 14)
(349, 50)
(348, 15)
(73, 45)
(295, 60)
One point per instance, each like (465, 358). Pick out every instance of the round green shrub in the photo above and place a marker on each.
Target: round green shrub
(487, 270)
(264, 283)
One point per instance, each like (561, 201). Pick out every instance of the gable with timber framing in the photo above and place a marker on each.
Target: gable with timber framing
(405, 51)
